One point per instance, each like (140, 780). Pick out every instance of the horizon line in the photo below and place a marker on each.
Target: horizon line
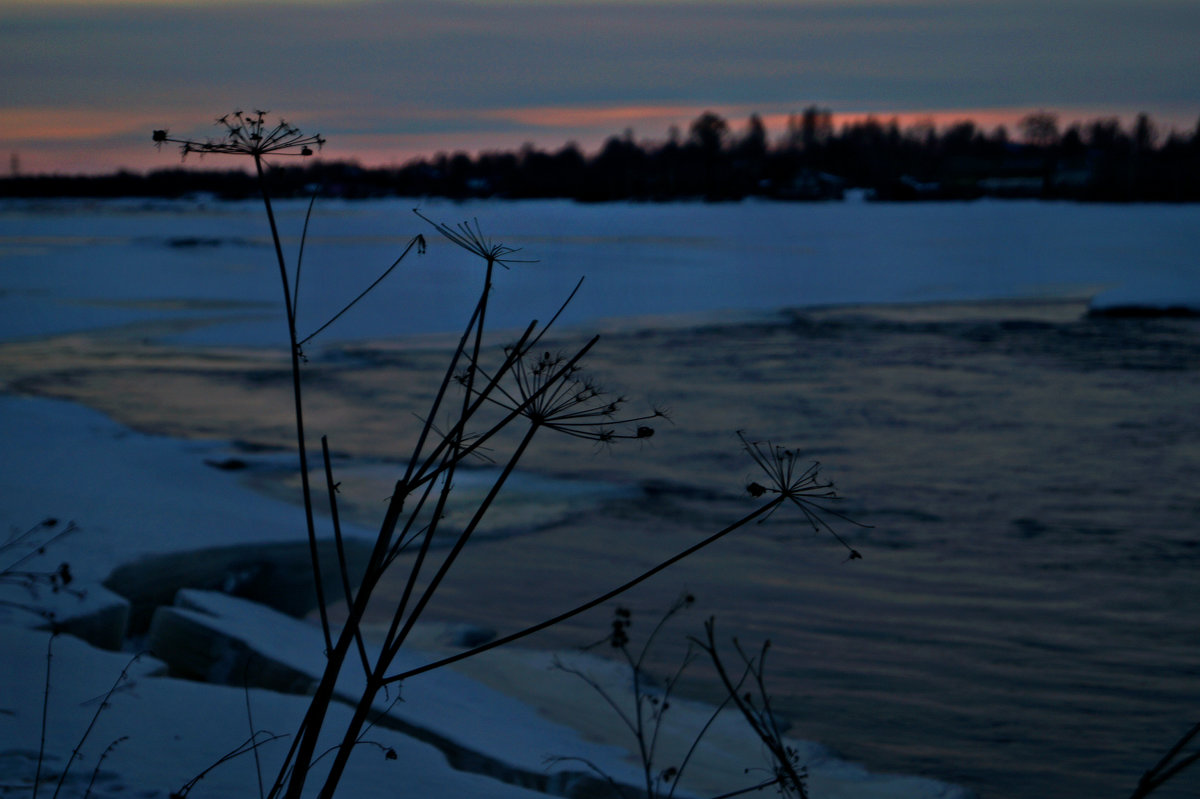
(73, 151)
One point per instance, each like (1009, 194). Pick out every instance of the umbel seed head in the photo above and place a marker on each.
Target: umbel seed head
(247, 134)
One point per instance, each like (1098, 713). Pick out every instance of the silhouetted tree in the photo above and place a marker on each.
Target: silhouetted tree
(1097, 160)
(709, 133)
(753, 144)
(1039, 129)
(813, 128)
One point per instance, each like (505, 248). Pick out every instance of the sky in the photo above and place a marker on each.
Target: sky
(386, 81)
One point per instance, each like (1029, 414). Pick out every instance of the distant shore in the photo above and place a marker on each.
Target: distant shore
(1097, 161)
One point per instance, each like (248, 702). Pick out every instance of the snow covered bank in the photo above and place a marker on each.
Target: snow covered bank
(157, 733)
(138, 497)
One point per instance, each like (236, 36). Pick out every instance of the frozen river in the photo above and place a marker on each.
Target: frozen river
(79, 265)
(1023, 621)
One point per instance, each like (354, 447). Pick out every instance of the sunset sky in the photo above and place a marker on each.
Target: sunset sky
(86, 82)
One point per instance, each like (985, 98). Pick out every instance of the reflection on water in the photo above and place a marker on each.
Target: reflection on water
(1023, 621)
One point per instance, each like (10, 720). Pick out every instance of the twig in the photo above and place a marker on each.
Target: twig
(302, 447)
(418, 241)
(250, 744)
(300, 256)
(762, 721)
(1164, 769)
(618, 788)
(339, 543)
(599, 600)
(95, 717)
(40, 549)
(100, 762)
(37, 776)
(250, 722)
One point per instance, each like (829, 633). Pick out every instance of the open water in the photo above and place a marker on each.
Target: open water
(1024, 619)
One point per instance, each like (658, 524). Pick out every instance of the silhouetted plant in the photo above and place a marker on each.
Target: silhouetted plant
(100, 763)
(521, 388)
(547, 396)
(801, 487)
(251, 744)
(249, 135)
(1170, 766)
(755, 706)
(102, 705)
(643, 713)
(34, 542)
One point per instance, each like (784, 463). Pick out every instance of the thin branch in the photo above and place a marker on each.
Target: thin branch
(762, 722)
(617, 787)
(339, 543)
(10, 569)
(1164, 770)
(687, 758)
(250, 723)
(612, 703)
(751, 789)
(557, 313)
(37, 775)
(100, 762)
(463, 537)
(95, 717)
(300, 256)
(250, 744)
(418, 241)
(599, 600)
(302, 447)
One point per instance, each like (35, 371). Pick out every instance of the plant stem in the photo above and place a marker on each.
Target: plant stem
(37, 776)
(300, 441)
(332, 488)
(393, 645)
(293, 772)
(600, 600)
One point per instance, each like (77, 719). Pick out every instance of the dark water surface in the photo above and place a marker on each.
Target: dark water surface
(1024, 619)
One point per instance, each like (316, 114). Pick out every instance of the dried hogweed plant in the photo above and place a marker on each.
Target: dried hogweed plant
(643, 712)
(643, 706)
(788, 774)
(247, 134)
(788, 482)
(26, 546)
(559, 397)
(484, 391)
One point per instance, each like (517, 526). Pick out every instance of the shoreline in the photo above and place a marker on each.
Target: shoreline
(74, 365)
(80, 369)
(165, 389)
(519, 674)
(866, 390)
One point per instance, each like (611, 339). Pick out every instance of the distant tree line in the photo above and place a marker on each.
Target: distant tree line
(1095, 161)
